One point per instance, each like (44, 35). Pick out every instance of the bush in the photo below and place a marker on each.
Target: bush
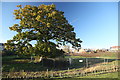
(59, 64)
(7, 53)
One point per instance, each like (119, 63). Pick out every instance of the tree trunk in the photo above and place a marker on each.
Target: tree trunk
(38, 59)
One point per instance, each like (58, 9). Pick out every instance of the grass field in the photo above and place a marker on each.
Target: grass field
(107, 55)
(97, 77)
(13, 63)
(108, 75)
(19, 64)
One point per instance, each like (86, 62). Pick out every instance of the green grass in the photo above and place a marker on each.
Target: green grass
(107, 75)
(95, 77)
(14, 63)
(75, 57)
(106, 55)
(22, 66)
(110, 55)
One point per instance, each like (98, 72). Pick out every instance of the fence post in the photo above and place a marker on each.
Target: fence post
(102, 70)
(77, 74)
(70, 61)
(107, 60)
(86, 62)
(104, 61)
(60, 74)
(68, 69)
(47, 72)
(51, 73)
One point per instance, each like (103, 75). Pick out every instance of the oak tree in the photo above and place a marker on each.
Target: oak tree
(45, 25)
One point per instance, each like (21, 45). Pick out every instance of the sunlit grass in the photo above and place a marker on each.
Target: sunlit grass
(106, 55)
(16, 63)
(107, 75)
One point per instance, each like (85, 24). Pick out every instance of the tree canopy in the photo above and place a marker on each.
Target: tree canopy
(44, 24)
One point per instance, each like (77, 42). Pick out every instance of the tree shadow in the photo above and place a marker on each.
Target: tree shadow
(50, 64)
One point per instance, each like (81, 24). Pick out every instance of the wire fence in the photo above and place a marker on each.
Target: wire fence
(80, 73)
(96, 70)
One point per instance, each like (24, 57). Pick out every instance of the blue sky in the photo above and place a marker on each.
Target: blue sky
(95, 23)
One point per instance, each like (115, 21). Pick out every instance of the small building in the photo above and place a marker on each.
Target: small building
(82, 51)
(79, 51)
(114, 48)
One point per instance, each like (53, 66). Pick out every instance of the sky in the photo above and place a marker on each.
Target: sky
(95, 23)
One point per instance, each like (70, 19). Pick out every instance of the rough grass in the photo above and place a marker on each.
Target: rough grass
(20, 64)
(70, 72)
(107, 55)
(15, 63)
(108, 75)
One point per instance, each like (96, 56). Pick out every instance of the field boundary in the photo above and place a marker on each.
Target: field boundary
(96, 70)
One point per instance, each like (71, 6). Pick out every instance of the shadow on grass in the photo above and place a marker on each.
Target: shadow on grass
(89, 62)
(9, 64)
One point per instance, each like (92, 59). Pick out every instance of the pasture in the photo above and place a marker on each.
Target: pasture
(15, 65)
(106, 55)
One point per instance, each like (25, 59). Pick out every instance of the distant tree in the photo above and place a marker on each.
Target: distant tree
(66, 49)
(45, 25)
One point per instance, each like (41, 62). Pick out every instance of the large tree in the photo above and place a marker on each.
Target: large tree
(44, 25)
